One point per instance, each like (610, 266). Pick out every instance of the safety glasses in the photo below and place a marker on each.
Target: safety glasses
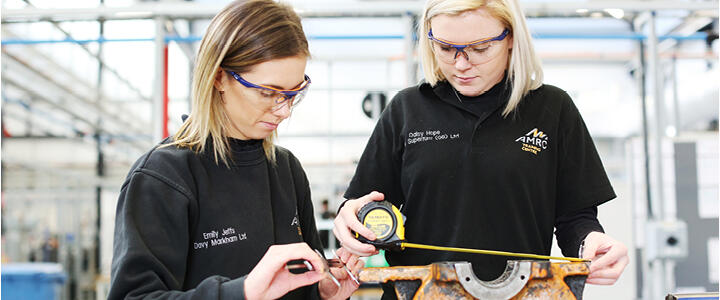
(476, 52)
(277, 98)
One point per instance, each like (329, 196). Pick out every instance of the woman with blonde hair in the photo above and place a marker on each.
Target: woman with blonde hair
(482, 154)
(218, 211)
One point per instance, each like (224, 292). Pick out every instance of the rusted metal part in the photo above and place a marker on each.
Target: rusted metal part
(450, 280)
(437, 281)
(550, 281)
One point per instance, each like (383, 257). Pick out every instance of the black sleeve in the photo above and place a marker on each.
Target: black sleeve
(379, 165)
(571, 229)
(151, 244)
(582, 181)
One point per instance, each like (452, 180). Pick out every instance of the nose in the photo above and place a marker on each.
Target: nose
(283, 111)
(461, 62)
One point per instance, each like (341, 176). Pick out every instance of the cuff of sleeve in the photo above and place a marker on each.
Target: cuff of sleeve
(233, 289)
(581, 246)
(581, 233)
(341, 206)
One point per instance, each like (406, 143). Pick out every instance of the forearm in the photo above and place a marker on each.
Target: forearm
(572, 228)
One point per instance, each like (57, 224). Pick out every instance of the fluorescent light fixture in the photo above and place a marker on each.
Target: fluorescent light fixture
(615, 12)
(582, 10)
(596, 14)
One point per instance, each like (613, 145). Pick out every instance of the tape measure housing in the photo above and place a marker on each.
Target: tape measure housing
(385, 221)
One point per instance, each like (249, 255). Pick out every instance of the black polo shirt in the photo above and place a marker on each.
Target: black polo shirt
(466, 179)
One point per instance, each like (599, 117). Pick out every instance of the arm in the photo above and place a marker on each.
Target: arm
(571, 229)
(151, 248)
(150, 244)
(581, 234)
(582, 183)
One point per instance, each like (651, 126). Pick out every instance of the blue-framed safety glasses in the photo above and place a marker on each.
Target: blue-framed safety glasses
(476, 52)
(278, 97)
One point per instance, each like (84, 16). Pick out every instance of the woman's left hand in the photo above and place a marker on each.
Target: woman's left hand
(609, 258)
(329, 290)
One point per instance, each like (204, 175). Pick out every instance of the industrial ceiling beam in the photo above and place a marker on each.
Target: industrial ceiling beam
(65, 108)
(103, 111)
(192, 10)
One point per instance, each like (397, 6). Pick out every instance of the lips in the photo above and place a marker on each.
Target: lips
(465, 80)
(268, 125)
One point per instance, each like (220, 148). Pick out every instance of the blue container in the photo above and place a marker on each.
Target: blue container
(41, 281)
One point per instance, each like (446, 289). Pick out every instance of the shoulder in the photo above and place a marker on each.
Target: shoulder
(548, 92)
(549, 98)
(167, 163)
(287, 163)
(284, 158)
(165, 157)
(408, 101)
(413, 93)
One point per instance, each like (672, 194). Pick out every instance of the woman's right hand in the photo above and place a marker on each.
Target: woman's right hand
(270, 279)
(346, 222)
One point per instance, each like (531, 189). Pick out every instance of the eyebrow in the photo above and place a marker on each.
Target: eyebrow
(466, 44)
(282, 88)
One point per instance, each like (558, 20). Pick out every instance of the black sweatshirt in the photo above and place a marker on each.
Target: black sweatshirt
(188, 228)
(571, 228)
(469, 179)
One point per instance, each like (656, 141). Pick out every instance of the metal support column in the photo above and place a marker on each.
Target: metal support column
(654, 70)
(158, 86)
(640, 75)
(661, 277)
(676, 96)
(409, 20)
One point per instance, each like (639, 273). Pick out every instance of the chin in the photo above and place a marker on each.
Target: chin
(262, 134)
(469, 92)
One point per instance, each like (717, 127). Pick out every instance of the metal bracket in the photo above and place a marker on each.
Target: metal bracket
(514, 279)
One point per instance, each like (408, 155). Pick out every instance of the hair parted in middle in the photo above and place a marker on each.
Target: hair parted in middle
(242, 35)
(524, 70)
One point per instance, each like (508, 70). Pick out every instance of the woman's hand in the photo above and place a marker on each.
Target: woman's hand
(270, 279)
(328, 289)
(346, 222)
(609, 258)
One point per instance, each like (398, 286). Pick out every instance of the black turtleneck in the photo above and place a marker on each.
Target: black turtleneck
(486, 103)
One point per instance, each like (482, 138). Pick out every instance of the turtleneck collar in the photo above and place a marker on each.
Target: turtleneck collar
(481, 105)
(245, 152)
(495, 92)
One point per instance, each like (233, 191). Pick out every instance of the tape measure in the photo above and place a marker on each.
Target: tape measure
(386, 222)
(388, 225)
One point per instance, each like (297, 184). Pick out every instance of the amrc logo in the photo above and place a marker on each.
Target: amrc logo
(534, 141)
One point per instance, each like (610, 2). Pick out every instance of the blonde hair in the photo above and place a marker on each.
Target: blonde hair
(243, 34)
(524, 69)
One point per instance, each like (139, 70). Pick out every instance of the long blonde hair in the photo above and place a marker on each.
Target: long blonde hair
(243, 34)
(524, 68)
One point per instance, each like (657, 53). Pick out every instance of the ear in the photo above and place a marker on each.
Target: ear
(510, 42)
(219, 79)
